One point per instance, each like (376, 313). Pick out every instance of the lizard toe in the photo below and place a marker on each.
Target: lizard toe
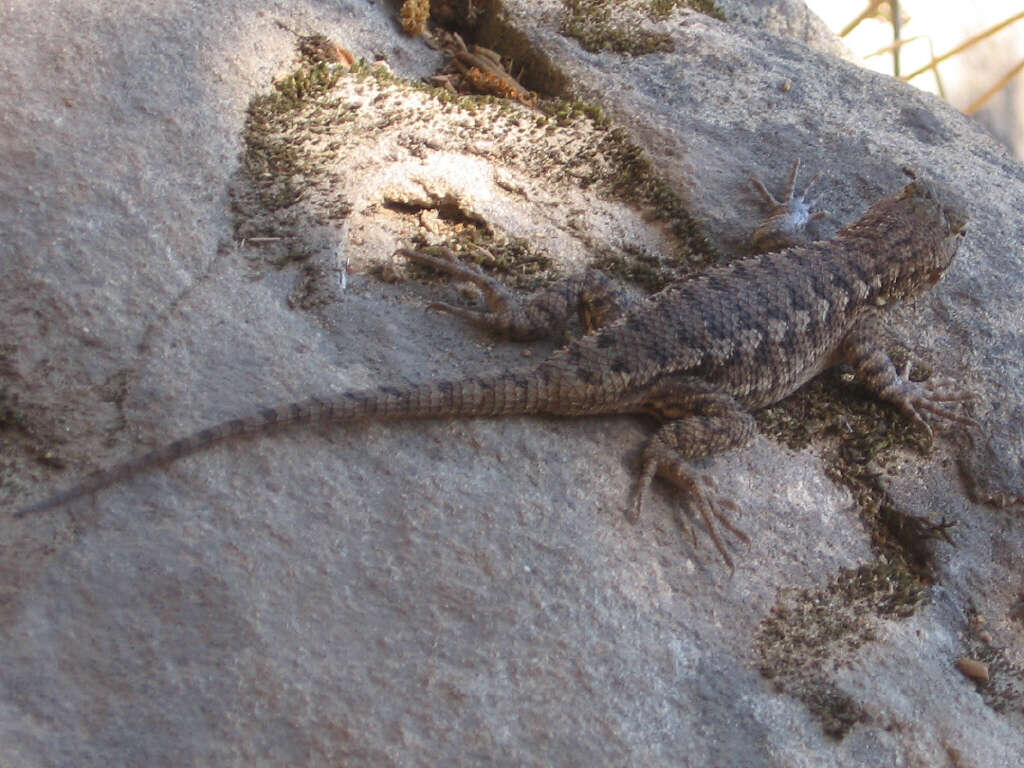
(712, 509)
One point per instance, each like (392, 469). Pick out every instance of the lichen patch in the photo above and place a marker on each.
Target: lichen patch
(346, 164)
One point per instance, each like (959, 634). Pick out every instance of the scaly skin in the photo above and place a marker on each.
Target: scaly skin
(700, 355)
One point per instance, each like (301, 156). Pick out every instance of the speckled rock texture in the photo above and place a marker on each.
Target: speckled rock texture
(469, 592)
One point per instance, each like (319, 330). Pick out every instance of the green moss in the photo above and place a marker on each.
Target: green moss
(273, 161)
(600, 25)
(628, 173)
(662, 9)
(835, 710)
(308, 82)
(857, 435)
(808, 632)
(294, 133)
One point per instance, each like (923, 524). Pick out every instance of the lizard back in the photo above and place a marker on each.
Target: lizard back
(760, 327)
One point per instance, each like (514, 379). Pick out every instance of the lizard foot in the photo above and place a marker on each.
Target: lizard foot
(503, 313)
(709, 506)
(931, 397)
(446, 261)
(787, 218)
(591, 295)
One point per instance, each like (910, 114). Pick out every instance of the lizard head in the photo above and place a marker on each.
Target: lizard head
(925, 224)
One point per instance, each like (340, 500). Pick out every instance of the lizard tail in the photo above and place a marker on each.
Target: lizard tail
(500, 395)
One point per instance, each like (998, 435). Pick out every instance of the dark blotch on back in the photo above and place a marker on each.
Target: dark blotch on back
(639, 324)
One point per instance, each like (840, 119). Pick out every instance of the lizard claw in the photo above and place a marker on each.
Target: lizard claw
(447, 262)
(931, 397)
(466, 313)
(444, 260)
(787, 218)
(497, 297)
(709, 507)
(790, 197)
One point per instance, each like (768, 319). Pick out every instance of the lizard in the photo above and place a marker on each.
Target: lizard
(700, 356)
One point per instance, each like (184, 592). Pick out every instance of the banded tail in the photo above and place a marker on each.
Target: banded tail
(505, 394)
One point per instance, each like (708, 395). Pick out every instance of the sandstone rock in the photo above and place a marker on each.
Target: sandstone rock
(461, 592)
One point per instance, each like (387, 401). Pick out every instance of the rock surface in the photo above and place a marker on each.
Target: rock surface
(463, 591)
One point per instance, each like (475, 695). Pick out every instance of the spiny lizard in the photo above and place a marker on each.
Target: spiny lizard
(699, 356)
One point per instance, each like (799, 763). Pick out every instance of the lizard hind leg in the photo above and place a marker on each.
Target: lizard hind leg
(671, 449)
(593, 295)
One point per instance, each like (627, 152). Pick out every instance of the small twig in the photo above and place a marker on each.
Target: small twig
(894, 15)
(938, 78)
(865, 14)
(894, 45)
(982, 100)
(964, 45)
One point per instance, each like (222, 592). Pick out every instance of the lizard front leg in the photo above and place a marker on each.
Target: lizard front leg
(862, 350)
(597, 299)
(704, 422)
(787, 219)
